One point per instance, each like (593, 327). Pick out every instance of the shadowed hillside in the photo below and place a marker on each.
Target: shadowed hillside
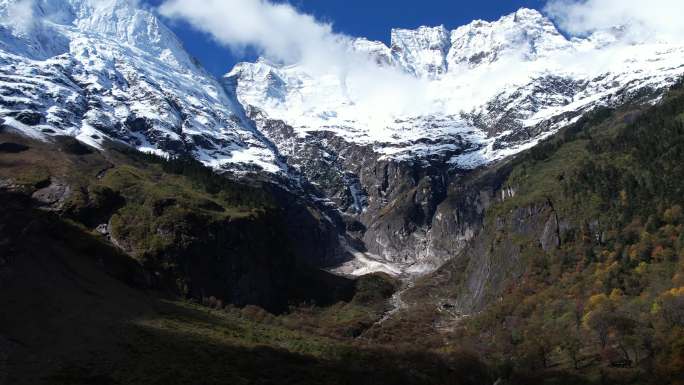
(115, 268)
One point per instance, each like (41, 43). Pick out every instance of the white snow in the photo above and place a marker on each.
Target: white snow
(433, 84)
(23, 129)
(108, 69)
(366, 263)
(363, 263)
(92, 66)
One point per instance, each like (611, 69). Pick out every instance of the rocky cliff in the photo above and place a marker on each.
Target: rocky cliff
(398, 175)
(379, 144)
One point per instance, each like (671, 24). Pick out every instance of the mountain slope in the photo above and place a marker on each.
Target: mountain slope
(101, 70)
(377, 142)
(581, 233)
(123, 268)
(190, 232)
(584, 235)
(391, 140)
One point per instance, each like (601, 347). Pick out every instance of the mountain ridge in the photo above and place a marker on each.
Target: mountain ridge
(376, 140)
(434, 211)
(401, 168)
(115, 71)
(312, 102)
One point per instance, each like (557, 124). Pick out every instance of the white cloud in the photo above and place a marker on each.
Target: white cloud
(19, 15)
(282, 33)
(278, 30)
(378, 94)
(642, 20)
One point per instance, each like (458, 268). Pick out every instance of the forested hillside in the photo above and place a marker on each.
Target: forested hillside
(583, 259)
(576, 277)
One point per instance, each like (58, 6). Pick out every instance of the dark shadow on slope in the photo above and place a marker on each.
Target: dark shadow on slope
(12, 148)
(76, 311)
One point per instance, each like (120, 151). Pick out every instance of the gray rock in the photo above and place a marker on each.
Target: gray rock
(103, 229)
(54, 195)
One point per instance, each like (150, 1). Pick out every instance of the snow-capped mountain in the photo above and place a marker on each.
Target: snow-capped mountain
(380, 135)
(485, 90)
(106, 69)
(100, 69)
(388, 133)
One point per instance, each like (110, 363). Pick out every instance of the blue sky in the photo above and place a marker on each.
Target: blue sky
(368, 18)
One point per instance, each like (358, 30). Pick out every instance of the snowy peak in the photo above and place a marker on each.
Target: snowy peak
(264, 75)
(123, 21)
(376, 50)
(119, 20)
(479, 93)
(430, 52)
(526, 33)
(528, 15)
(103, 70)
(24, 30)
(423, 51)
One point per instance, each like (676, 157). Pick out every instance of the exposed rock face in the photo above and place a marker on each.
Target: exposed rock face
(403, 185)
(389, 182)
(498, 253)
(52, 195)
(417, 214)
(29, 118)
(460, 217)
(400, 215)
(497, 257)
(386, 203)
